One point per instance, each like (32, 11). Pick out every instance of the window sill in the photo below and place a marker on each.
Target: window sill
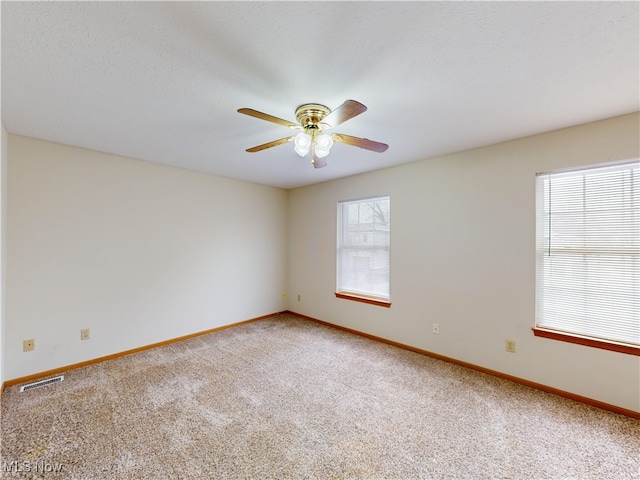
(587, 341)
(364, 299)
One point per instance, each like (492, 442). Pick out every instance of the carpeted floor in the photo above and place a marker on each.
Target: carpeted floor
(289, 398)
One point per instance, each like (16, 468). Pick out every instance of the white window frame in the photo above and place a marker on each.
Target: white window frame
(363, 251)
(588, 256)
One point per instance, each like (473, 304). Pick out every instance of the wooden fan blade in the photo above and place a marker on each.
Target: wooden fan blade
(346, 111)
(269, 118)
(360, 142)
(270, 144)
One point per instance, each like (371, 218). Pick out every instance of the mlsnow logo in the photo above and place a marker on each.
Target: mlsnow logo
(32, 467)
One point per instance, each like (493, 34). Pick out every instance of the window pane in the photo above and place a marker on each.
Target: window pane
(363, 247)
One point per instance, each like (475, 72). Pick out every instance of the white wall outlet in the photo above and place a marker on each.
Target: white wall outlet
(510, 346)
(284, 294)
(84, 334)
(436, 329)
(28, 345)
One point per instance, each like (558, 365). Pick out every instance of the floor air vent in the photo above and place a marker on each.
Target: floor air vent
(42, 383)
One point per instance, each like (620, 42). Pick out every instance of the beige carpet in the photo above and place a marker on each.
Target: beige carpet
(289, 398)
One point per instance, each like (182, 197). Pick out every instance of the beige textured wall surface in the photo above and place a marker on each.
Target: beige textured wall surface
(137, 252)
(3, 208)
(463, 256)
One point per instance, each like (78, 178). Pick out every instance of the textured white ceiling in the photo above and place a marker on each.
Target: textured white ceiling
(162, 81)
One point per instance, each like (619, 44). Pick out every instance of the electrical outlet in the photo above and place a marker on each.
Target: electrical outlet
(28, 345)
(510, 346)
(436, 329)
(284, 294)
(84, 334)
(299, 297)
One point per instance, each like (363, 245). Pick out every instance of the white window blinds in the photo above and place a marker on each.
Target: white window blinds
(588, 252)
(363, 247)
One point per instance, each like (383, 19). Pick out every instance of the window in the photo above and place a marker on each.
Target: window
(363, 250)
(588, 256)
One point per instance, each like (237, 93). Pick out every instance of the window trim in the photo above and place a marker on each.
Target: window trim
(380, 302)
(586, 341)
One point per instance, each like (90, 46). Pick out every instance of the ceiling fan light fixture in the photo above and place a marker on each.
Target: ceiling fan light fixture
(302, 143)
(324, 143)
(312, 119)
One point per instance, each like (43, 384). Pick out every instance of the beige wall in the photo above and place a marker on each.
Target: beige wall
(3, 207)
(136, 252)
(462, 255)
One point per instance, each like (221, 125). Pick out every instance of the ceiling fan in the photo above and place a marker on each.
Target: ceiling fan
(313, 120)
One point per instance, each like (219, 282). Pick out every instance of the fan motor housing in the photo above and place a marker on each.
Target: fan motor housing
(311, 114)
